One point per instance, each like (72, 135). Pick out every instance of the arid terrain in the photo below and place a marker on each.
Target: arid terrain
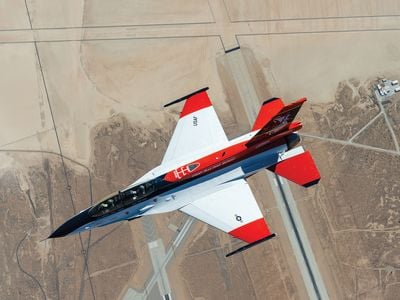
(82, 84)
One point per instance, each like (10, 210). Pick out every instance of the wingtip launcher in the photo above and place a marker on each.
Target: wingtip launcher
(248, 246)
(186, 97)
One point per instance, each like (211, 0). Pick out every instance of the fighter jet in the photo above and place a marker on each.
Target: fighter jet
(203, 174)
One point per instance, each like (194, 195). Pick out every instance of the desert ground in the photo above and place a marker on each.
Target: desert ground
(82, 84)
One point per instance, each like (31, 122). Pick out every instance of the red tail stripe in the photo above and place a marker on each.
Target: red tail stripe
(294, 104)
(267, 112)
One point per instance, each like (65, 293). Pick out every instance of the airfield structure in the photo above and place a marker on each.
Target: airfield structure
(385, 88)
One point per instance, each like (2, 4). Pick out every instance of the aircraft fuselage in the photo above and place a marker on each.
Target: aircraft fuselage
(163, 190)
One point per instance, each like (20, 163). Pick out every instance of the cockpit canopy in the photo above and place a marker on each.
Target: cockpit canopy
(121, 200)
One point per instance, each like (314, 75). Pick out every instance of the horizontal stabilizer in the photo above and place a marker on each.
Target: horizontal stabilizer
(299, 169)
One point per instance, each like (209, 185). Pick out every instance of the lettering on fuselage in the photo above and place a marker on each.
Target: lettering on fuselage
(185, 170)
(194, 121)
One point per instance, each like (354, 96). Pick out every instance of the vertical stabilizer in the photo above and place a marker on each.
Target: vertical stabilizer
(276, 120)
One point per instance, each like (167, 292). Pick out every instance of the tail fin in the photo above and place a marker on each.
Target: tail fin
(275, 121)
(269, 109)
(275, 118)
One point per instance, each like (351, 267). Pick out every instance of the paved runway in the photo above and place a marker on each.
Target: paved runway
(286, 204)
(160, 260)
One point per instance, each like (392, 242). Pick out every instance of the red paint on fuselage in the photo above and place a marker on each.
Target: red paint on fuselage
(262, 139)
(278, 123)
(207, 163)
(226, 156)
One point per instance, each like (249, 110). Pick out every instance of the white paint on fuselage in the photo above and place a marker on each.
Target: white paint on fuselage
(197, 188)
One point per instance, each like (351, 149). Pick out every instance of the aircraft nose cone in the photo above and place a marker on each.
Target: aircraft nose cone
(71, 225)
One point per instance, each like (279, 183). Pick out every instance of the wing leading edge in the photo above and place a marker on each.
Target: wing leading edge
(198, 128)
(233, 210)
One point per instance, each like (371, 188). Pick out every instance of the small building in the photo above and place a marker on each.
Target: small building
(384, 89)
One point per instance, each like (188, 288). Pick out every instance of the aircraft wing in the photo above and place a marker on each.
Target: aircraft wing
(198, 128)
(233, 210)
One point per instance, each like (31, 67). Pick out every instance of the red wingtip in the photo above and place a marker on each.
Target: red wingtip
(195, 103)
(252, 231)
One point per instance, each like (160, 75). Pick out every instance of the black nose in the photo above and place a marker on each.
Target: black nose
(72, 224)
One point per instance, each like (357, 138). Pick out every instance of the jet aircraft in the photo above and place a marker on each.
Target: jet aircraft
(203, 174)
